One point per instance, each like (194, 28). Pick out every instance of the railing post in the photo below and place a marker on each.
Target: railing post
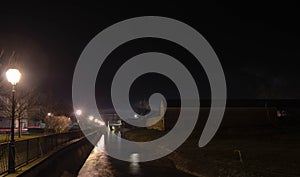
(27, 151)
(38, 147)
(56, 141)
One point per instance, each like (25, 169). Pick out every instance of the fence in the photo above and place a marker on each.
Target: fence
(30, 149)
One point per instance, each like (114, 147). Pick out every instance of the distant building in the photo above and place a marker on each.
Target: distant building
(160, 124)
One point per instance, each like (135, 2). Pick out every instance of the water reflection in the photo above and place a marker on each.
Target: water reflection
(100, 144)
(134, 167)
(100, 164)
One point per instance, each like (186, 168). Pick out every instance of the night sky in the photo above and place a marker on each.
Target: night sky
(257, 44)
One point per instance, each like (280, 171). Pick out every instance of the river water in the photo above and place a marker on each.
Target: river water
(100, 164)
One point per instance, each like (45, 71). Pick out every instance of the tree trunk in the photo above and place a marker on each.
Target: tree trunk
(20, 128)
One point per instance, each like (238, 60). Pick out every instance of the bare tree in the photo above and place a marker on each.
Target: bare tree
(27, 104)
(50, 104)
(5, 63)
(26, 100)
(59, 124)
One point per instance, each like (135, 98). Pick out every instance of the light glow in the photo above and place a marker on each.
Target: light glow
(78, 112)
(13, 76)
(91, 118)
(101, 122)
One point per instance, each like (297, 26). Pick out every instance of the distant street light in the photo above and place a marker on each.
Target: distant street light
(101, 122)
(91, 118)
(13, 76)
(49, 114)
(78, 112)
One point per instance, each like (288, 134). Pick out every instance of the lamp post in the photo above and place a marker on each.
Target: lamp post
(13, 76)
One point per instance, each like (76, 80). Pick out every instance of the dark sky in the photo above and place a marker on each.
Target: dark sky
(257, 44)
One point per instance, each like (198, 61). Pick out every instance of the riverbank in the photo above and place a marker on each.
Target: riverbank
(256, 155)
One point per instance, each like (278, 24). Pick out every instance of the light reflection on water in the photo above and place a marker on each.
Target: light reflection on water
(134, 165)
(100, 144)
(99, 164)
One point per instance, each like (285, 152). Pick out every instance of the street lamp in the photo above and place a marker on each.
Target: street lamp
(13, 76)
(78, 112)
(91, 118)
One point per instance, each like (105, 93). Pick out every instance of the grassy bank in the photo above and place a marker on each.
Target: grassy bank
(260, 155)
(6, 138)
(142, 135)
